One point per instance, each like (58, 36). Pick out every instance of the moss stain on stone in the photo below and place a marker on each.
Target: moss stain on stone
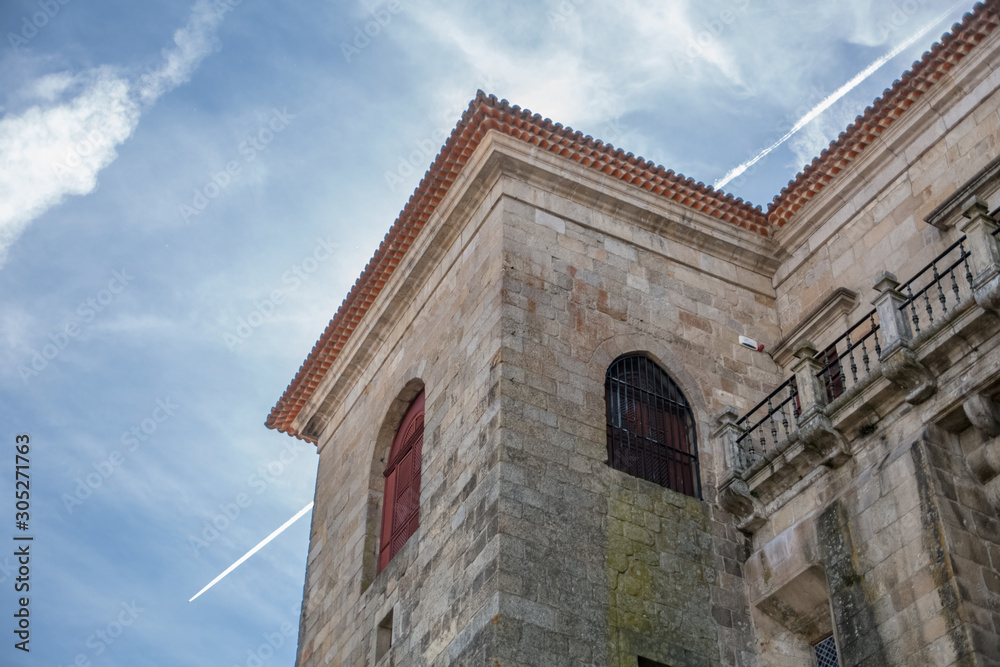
(658, 559)
(851, 597)
(935, 541)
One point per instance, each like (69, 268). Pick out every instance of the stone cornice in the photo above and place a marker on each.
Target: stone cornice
(940, 110)
(494, 171)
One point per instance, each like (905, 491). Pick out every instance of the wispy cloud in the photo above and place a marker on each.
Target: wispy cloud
(56, 147)
(191, 44)
(834, 97)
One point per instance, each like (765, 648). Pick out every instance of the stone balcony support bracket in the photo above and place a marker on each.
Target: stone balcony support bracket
(816, 431)
(984, 253)
(827, 443)
(734, 493)
(736, 498)
(984, 413)
(898, 361)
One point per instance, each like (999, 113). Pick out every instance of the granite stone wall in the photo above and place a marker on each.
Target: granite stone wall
(441, 586)
(872, 217)
(596, 566)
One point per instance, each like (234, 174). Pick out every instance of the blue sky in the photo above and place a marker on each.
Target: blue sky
(187, 192)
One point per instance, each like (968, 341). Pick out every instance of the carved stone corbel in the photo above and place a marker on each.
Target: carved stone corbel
(984, 413)
(903, 369)
(820, 437)
(984, 461)
(735, 498)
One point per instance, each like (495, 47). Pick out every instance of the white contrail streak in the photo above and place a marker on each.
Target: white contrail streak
(257, 548)
(836, 95)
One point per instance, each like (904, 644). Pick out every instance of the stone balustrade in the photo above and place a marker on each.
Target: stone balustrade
(792, 432)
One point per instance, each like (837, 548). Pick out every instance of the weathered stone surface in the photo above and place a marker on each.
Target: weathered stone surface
(876, 523)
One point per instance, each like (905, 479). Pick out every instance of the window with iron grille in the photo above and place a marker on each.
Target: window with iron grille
(651, 431)
(826, 653)
(401, 502)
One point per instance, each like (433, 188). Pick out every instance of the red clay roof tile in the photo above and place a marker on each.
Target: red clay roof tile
(486, 113)
(910, 87)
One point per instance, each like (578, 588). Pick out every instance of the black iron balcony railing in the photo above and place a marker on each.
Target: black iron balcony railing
(794, 429)
(926, 298)
(849, 359)
(759, 428)
(946, 280)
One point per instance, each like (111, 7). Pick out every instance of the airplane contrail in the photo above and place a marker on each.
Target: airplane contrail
(836, 95)
(257, 548)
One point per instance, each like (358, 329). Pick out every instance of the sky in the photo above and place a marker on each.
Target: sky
(187, 193)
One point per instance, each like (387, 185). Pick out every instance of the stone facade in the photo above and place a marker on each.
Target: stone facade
(869, 513)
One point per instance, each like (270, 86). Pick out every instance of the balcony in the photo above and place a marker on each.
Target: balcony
(883, 359)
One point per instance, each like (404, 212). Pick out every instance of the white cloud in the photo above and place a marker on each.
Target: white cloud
(57, 147)
(49, 153)
(191, 44)
(49, 87)
(552, 64)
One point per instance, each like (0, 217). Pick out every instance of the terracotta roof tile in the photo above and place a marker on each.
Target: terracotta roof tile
(487, 113)
(866, 128)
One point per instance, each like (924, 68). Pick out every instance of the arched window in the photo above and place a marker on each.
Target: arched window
(401, 504)
(650, 425)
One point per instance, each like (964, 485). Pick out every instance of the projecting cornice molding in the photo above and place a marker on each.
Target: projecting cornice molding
(506, 167)
(984, 185)
(820, 319)
(940, 90)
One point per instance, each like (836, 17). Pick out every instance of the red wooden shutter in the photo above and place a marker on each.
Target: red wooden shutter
(401, 505)
(833, 377)
(384, 554)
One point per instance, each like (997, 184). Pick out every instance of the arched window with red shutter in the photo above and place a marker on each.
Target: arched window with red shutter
(401, 504)
(651, 431)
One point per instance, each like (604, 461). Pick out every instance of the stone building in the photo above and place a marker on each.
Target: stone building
(542, 441)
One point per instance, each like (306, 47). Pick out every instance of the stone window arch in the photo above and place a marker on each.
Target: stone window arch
(651, 433)
(401, 499)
